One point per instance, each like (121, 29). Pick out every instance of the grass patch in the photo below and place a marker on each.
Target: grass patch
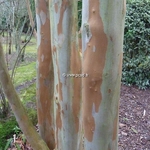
(25, 73)
(32, 48)
(28, 95)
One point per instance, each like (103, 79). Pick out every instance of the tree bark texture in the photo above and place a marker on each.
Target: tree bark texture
(71, 106)
(102, 50)
(66, 60)
(45, 75)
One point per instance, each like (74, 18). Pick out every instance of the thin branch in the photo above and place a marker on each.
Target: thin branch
(16, 62)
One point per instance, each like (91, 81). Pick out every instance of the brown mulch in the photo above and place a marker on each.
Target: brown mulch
(134, 119)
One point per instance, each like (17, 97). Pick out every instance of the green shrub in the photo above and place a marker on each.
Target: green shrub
(79, 13)
(136, 63)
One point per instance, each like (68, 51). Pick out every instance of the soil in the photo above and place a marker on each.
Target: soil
(134, 119)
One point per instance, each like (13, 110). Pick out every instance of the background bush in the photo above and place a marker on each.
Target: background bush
(136, 63)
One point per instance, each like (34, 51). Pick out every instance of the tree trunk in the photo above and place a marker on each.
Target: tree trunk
(66, 60)
(30, 16)
(19, 111)
(102, 45)
(59, 76)
(45, 75)
(10, 42)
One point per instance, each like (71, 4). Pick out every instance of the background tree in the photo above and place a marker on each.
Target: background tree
(28, 5)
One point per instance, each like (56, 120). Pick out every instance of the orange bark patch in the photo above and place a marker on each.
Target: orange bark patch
(42, 5)
(58, 117)
(45, 80)
(93, 65)
(59, 90)
(64, 6)
(76, 69)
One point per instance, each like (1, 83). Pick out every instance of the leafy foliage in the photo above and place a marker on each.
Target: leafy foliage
(79, 13)
(136, 63)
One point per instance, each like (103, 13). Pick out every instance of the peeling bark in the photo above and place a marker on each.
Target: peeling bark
(19, 111)
(66, 60)
(102, 45)
(45, 75)
(60, 118)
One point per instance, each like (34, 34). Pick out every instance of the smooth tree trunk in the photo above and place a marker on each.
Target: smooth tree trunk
(102, 50)
(66, 60)
(45, 75)
(31, 17)
(19, 111)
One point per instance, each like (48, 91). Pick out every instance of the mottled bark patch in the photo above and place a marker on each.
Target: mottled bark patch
(58, 123)
(64, 6)
(76, 69)
(59, 90)
(45, 78)
(58, 117)
(93, 65)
